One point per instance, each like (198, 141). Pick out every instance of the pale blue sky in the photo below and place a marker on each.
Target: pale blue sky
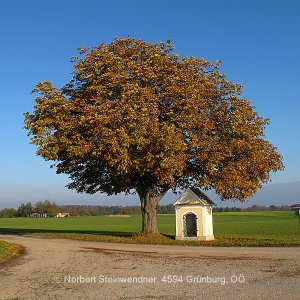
(257, 42)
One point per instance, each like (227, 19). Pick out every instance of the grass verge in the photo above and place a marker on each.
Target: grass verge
(8, 251)
(160, 239)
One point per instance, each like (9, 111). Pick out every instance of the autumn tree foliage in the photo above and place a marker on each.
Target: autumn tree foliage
(137, 118)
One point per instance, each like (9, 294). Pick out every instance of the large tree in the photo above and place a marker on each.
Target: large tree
(137, 118)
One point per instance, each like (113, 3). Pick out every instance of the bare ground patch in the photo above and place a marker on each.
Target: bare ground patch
(108, 251)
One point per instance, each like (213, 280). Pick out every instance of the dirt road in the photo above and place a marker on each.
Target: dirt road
(66, 269)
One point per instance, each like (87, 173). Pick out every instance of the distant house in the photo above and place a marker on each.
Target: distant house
(194, 216)
(37, 215)
(296, 208)
(62, 215)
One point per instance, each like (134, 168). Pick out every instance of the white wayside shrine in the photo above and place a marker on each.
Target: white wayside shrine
(194, 216)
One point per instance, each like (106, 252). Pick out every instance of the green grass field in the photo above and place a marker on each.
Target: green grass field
(232, 228)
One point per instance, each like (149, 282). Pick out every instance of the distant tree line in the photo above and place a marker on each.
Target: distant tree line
(41, 208)
(97, 210)
(253, 208)
(51, 209)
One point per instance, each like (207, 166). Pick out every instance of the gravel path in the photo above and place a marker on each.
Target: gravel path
(66, 269)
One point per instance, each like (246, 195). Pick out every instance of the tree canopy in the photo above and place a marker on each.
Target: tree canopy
(138, 118)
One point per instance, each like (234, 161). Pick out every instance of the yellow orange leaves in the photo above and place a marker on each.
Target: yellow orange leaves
(136, 115)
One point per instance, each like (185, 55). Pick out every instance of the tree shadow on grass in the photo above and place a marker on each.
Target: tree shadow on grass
(172, 237)
(18, 231)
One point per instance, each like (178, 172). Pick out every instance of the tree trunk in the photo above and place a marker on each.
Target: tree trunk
(149, 201)
(149, 223)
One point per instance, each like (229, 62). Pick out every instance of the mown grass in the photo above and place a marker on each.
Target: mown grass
(9, 251)
(278, 225)
(231, 229)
